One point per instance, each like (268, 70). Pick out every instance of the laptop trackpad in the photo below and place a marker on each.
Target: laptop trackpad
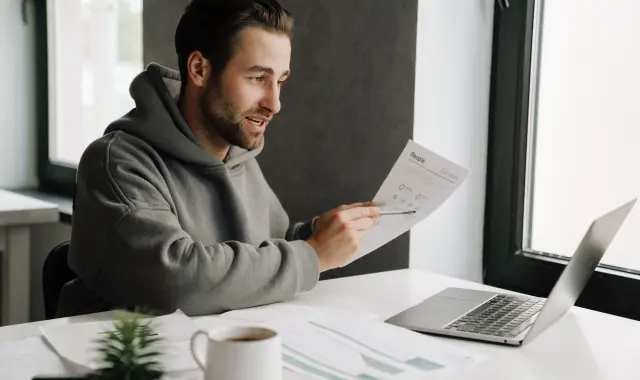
(434, 312)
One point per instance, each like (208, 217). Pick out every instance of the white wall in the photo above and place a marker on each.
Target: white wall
(17, 131)
(453, 70)
(17, 95)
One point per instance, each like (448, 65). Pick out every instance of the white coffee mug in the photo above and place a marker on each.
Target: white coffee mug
(240, 353)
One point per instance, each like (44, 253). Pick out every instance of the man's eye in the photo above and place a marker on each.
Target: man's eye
(281, 82)
(257, 79)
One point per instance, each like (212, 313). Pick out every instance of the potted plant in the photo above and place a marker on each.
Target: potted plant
(129, 351)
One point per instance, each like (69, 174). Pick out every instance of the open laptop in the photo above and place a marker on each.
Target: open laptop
(514, 319)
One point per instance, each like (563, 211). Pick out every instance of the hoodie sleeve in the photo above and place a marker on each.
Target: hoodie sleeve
(131, 251)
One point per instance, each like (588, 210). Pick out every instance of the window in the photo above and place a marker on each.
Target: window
(93, 52)
(586, 132)
(563, 138)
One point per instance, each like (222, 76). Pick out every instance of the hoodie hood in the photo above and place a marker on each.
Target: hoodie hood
(158, 121)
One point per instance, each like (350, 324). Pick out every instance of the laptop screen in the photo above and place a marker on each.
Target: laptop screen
(580, 268)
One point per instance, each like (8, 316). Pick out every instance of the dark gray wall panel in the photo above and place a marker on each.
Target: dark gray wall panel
(160, 18)
(347, 111)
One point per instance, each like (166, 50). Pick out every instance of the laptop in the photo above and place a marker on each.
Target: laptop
(514, 319)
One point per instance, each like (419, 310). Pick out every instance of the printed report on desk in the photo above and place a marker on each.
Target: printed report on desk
(343, 349)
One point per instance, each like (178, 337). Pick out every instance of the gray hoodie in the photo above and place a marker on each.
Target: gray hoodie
(161, 224)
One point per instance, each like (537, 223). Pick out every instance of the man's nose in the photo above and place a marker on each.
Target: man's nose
(271, 100)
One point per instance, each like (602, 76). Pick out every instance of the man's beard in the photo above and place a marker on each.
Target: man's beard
(222, 118)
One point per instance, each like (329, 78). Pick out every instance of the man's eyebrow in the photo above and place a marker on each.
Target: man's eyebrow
(268, 70)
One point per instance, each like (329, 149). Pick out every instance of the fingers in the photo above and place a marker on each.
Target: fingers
(362, 224)
(359, 204)
(342, 208)
(360, 212)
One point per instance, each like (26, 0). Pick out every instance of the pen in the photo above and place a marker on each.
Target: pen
(397, 212)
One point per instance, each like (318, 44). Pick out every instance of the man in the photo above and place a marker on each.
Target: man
(171, 208)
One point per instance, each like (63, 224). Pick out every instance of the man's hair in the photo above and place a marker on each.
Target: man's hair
(212, 27)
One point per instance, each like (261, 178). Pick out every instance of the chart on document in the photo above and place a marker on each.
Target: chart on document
(367, 350)
(420, 180)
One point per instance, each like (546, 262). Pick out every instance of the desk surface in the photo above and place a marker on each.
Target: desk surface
(20, 209)
(584, 344)
(64, 203)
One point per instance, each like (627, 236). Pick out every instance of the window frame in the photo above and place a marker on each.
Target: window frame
(505, 263)
(52, 177)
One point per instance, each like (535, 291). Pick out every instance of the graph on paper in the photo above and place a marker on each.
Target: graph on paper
(368, 350)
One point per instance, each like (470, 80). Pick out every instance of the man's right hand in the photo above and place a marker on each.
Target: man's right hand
(338, 233)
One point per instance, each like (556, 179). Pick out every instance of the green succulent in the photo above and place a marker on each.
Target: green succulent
(128, 352)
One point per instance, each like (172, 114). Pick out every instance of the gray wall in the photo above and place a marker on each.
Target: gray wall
(160, 18)
(347, 109)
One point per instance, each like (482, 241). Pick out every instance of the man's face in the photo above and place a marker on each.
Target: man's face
(240, 104)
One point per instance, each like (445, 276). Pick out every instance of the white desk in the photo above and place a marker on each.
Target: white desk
(17, 214)
(583, 345)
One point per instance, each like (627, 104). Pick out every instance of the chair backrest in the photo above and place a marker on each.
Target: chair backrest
(55, 274)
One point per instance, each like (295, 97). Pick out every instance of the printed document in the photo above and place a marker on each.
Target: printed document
(343, 346)
(421, 181)
(343, 349)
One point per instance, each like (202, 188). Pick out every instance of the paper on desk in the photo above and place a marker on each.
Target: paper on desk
(76, 342)
(420, 180)
(279, 311)
(29, 357)
(343, 349)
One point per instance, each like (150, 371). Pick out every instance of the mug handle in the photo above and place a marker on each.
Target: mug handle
(193, 346)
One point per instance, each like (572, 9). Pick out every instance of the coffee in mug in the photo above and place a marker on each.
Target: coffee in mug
(240, 353)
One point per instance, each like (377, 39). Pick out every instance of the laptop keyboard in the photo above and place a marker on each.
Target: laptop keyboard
(503, 315)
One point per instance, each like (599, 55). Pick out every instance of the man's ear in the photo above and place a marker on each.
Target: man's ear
(198, 69)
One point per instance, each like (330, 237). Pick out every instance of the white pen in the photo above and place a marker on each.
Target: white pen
(397, 212)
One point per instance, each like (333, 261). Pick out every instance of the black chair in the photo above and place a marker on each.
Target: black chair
(55, 274)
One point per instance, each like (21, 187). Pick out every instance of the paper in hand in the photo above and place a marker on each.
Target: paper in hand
(420, 180)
